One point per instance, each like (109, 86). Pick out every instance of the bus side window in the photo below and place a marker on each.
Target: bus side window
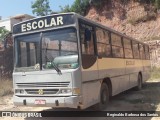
(135, 50)
(87, 45)
(86, 36)
(127, 48)
(103, 43)
(142, 52)
(117, 48)
(147, 52)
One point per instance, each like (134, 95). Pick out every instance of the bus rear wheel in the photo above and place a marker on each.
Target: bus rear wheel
(104, 97)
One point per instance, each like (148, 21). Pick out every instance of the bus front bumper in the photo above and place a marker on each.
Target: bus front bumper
(57, 102)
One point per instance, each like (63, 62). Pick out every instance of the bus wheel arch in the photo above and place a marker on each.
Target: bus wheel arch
(103, 98)
(104, 94)
(140, 73)
(139, 81)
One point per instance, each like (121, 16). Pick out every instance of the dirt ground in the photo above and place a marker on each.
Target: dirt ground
(148, 99)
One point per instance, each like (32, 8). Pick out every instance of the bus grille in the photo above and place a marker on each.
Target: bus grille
(43, 84)
(45, 91)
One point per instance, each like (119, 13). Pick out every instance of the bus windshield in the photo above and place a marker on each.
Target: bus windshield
(56, 48)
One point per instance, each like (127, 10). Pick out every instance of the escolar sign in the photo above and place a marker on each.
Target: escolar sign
(43, 23)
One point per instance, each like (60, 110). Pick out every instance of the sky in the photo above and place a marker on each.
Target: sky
(14, 7)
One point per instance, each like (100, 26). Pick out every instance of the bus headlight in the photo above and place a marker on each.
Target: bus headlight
(64, 91)
(75, 91)
(19, 91)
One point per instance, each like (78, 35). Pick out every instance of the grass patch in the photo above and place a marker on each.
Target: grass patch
(150, 38)
(6, 87)
(155, 73)
(132, 21)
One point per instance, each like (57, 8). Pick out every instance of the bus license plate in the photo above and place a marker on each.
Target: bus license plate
(40, 102)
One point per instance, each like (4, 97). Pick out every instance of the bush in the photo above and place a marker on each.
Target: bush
(6, 87)
(155, 73)
(81, 6)
(99, 3)
(148, 17)
(157, 4)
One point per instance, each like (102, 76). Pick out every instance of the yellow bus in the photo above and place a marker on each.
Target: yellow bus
(66, 60)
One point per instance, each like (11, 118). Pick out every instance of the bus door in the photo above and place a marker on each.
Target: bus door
(89, 63)
(88, 58)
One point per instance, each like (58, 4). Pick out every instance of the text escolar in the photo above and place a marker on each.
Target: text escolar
(42, 24)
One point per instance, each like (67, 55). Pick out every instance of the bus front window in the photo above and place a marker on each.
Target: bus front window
(59, 48)
(27, 50)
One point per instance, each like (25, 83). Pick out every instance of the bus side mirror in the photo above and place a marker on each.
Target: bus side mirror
(87, 35)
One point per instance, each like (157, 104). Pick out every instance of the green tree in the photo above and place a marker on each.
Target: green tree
(66, 8)
(76, 7)
(79, 6)
(3, 33)
(157, 4)
(41, 7)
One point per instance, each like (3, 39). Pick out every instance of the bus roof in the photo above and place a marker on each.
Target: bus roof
(44, 23)
(69, 13)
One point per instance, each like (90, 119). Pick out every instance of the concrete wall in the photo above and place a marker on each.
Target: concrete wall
(6, 23)
(9, 22)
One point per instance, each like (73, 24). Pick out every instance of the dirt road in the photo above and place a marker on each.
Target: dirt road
(148, 99)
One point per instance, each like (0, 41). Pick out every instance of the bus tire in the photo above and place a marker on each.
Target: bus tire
(139, 81)
(104, 97)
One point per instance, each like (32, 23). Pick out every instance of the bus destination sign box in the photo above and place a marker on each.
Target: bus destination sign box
(43, 23)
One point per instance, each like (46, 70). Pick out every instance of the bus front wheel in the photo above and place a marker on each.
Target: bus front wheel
(104, 97)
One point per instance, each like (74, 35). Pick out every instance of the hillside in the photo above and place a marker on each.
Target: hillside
(140, 21)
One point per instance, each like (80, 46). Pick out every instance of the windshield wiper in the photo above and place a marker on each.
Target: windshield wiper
(54, 65)
(56, 68)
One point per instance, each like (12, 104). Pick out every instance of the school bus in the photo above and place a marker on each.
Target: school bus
(66, 60)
